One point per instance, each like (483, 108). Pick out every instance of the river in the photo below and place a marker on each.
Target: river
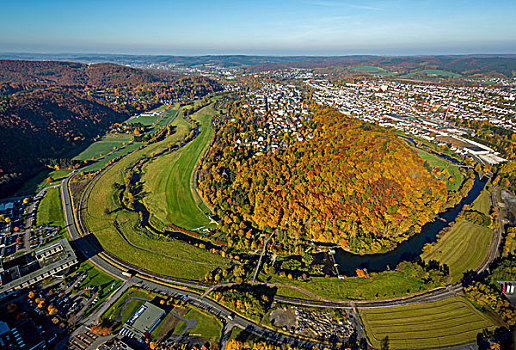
(409, 249)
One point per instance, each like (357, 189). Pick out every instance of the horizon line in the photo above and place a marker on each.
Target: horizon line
(250, 55)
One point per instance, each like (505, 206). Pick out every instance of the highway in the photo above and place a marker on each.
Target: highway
(193, 299)
(92, 250)
(87, 248)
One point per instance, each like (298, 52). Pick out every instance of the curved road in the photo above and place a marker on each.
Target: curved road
(194, 299)
(89, 247)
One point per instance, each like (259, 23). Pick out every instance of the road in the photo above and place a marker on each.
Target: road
(261, 256)
(89, 246)
(194, 299)
(30, 217)
(495, 243)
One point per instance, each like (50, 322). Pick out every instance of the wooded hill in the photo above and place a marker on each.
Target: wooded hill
(48, 108)
(353, 184)
(102, 75)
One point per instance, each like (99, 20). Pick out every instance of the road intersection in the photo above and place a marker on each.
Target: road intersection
(91, 249)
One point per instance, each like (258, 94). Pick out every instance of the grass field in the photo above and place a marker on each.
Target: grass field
(207, 326)
(38, 182)
(168, 179)
(96, 277)
(130, 308)
(170, 258)
(383, 285)
(114, 311)
(438, 72)
(103, 146)
(444, 323)
(50, 210)
(462, 248)
(482, 203)
(454, 171)
(99, 164)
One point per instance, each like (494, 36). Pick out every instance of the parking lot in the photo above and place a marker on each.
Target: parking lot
(19, 233)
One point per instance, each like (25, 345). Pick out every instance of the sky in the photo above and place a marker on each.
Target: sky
(259, 27)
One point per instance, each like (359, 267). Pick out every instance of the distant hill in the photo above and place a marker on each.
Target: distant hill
(78, 74)
(465, 65)
(48, 108)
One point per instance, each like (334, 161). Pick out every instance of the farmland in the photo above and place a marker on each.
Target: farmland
(104, 146)
(39, 181)
(462, 248)
(168, 179)
(129, 241)
(453, 170)
(369, 69)
(101, 163)
(383, 285)
(116, 145)
(444, 323)
(482, 203)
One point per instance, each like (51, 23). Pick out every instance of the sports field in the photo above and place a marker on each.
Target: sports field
(444, 323)
(132, 243)
(157, 120)
(168, 179)
(462, 248)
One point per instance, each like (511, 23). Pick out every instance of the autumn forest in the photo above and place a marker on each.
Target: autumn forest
(353, 184)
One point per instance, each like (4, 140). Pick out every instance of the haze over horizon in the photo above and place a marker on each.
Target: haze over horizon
(308, 27)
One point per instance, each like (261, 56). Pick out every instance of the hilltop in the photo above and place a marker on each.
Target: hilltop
(52, 107)
(352, 184)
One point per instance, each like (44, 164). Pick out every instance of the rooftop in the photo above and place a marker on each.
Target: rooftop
(143, 321)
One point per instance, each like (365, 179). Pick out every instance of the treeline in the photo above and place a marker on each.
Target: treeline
(46, 123)
(147, 96)
(455, 197)
(487, 297)
(501, 139)
(72, 74)
(506, 175)
(250, 300)
(49, 108)
(258, 345)
(353, 184)
(485, 291)
(476, 217)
